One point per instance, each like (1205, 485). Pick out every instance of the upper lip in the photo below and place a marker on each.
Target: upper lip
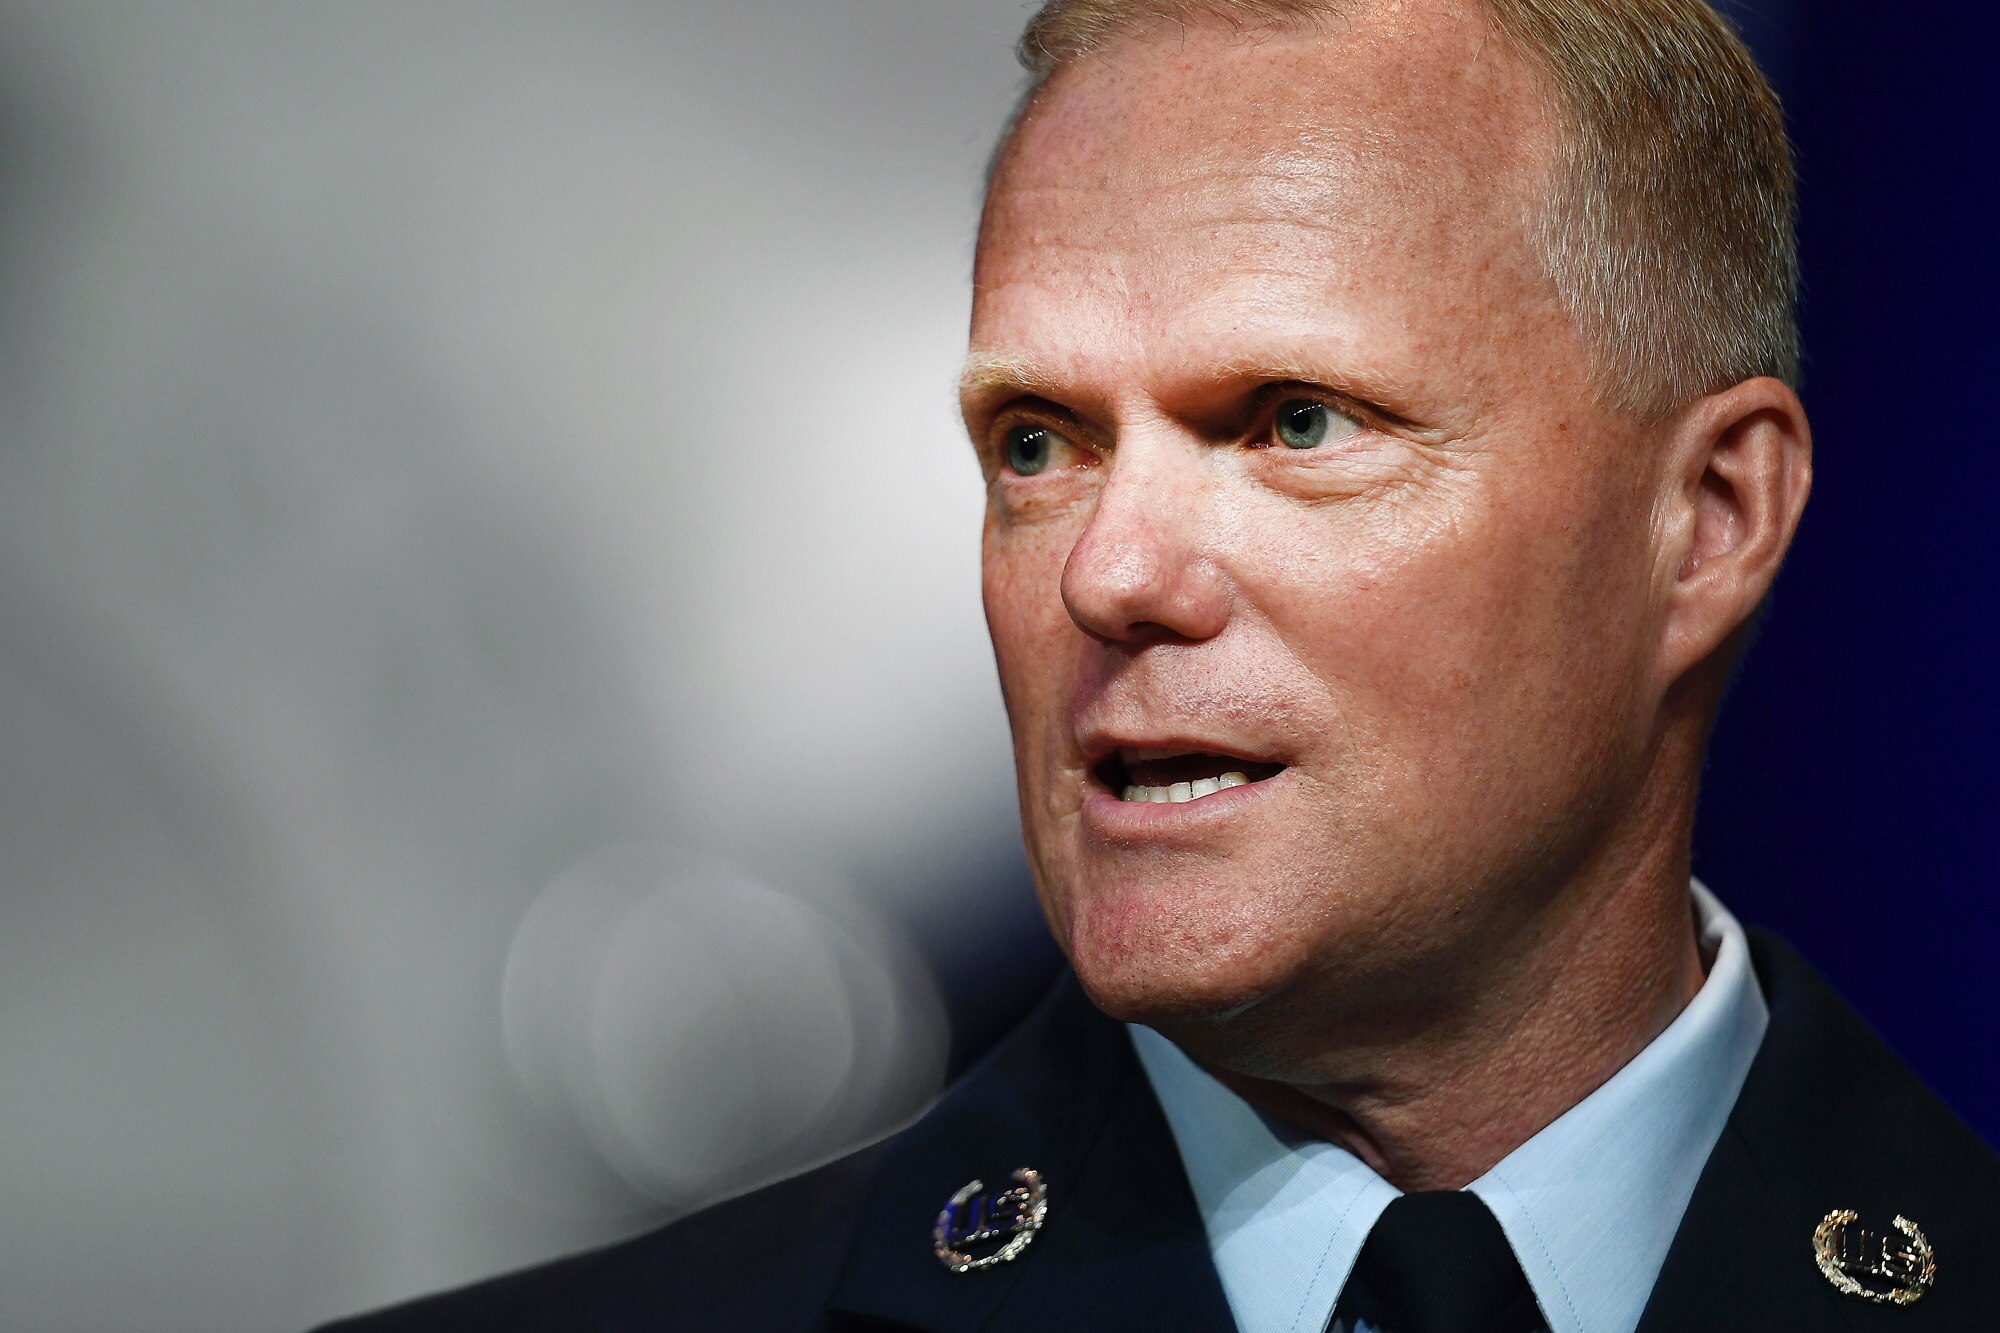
(1099, 745)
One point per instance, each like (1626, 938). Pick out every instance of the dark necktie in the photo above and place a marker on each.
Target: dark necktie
(1437, 1262)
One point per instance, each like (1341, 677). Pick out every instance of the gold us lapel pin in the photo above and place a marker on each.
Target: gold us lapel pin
(1890, 1271)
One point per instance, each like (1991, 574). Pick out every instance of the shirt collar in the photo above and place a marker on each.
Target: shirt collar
(1590, 1204)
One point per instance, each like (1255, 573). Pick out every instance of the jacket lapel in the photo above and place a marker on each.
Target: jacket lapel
(1123, 1245)
(1828, 1119)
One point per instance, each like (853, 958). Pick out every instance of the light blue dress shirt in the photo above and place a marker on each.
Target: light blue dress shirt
(1590, 1204)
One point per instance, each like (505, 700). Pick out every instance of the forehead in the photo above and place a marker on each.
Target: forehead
(1371, 179)
(1432, 84)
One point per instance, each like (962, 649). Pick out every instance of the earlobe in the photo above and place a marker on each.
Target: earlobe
(1744, 469)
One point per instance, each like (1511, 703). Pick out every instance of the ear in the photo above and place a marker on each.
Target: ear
(1740, 470)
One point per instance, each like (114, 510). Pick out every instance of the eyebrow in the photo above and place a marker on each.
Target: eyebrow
(986, 374)
(1289, 372)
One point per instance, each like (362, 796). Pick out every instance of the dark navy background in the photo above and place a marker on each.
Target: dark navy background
(1850, 798)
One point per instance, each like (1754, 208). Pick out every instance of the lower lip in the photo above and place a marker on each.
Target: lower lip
(1104, 813)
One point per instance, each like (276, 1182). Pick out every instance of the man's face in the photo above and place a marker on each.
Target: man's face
(1300, 496)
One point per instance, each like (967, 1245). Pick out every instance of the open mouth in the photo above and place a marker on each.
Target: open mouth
(1141, 776)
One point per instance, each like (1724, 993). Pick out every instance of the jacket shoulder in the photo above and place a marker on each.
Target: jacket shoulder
(1829, 1120)
(765, 1259)
(771, 1258)
(1831, 1107)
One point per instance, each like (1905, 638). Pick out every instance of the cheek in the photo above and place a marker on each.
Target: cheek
(1452, 636)
(1021, 588)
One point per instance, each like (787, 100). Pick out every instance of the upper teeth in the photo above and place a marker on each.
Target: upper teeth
(1182, 792)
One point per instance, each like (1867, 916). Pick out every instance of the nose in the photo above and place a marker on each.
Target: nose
(1140, 572)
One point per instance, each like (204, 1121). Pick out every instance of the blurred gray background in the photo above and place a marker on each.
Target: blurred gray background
(497, 742)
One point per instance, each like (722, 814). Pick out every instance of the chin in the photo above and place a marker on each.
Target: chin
(1144, 958)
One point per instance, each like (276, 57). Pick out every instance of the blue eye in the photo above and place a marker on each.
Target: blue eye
(1303, 423)
(1029, 449)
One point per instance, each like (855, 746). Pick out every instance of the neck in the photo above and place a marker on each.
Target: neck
(1553, 1012)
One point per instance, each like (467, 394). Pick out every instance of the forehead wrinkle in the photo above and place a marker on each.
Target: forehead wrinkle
(1178, 335)
(1374, 191)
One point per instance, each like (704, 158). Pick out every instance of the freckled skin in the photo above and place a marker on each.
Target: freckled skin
(1484, 625)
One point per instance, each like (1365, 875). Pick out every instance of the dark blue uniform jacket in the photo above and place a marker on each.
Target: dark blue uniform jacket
(1828, 1119)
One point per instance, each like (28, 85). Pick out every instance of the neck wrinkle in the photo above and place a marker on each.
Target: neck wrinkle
(1600, 976)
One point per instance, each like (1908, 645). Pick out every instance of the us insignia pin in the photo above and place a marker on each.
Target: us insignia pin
(1889, 1272)
(965, 1231)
